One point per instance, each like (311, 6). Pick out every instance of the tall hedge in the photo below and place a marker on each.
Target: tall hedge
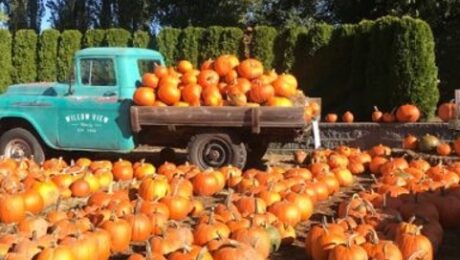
(231, 41)
(5, 59)
(25, 56)
(189, 44)
(47, 55)
(94, 38)
(289, 46)
(167, 44)
(313, 62)
(117, 37)
(403, 69)
(69, 43)
(263, 45)
(141, 39)
(210, 45)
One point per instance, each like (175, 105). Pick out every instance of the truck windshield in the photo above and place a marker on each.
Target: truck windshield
(147, 66)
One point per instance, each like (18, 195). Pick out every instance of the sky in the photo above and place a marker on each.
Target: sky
(45, 22)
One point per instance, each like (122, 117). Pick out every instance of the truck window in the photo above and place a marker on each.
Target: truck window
(98, 72)
(147, 65)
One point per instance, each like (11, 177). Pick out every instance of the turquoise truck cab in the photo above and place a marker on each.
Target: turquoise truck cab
(90, 111)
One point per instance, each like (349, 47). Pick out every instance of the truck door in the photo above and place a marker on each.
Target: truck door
(92, 117)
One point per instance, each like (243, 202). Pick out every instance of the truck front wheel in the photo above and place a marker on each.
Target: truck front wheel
(20, 143)
(216, 150)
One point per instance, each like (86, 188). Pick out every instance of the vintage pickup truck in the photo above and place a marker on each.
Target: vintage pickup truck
(93, 111)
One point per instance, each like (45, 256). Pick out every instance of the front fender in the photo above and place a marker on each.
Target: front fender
(40, 122)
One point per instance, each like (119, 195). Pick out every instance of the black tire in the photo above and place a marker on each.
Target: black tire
(256, 151)
(215, 150)
(19, 142)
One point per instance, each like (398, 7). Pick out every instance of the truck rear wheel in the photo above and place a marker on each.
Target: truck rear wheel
(216, 150)
(20, 143)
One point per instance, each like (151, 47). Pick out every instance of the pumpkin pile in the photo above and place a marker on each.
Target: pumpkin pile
(100, 209)
(431, 144)
(402, 216)
(223, 81)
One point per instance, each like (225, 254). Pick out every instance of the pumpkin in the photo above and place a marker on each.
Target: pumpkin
(347, 117)
(443, 149)
(250, 69)
(120, 233)
(189, 78)
(279, 102)
(408, 113)
(208, 78)
(261, 93)
(388, 117)
(211, 96)
(184, 66)
(410, 142)
(169, 93)
(141, 226)
(33, 202)
(255, 236)
(428, 143)
(413, 244)
(285, 85)
(80, 188)
(331, 118)
(288, 212)
(150, 80)
(154, 188)
(12, 208)
(61, 252)
(235, 96)
(236, 250)
(179, 207)
(144, 96)
(224, 64)
(205, 184)
(446, 111)
(377, 115)
(348, 251)
(191, 94)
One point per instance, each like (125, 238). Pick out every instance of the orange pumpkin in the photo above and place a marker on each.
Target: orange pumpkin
(208, 78)
(224, 64)
(251, 69)
(410, 142)
(279, 102)
(191, 94)
(150, 80)
(444, 149)
(261, 93)
(211, 96)
(331, 118)
(408, 113)
(168, 92)
(347, 117)
(184, 66)
(285, 85)
(446, 111)
(377, 115)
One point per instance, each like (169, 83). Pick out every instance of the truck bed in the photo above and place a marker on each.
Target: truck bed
(227, 117)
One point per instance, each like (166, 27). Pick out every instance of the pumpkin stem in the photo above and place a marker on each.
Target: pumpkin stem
(148, 250)
(376, 109)
(419, 254)
(201, 254)
(374, 179)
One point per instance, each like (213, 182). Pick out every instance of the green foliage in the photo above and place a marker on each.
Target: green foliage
(117, 37)
(210, 45)
(47, 55)
(312, 62)
(94, 38)
(5, 59)
(70, 43)
(141, 39)
(263, 43)
(289, 47)
(167, 44)
(231, 41)
(25, 56)
(405, 69)
(189, 44)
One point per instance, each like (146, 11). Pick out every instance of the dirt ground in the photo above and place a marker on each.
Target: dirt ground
(450, 249)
